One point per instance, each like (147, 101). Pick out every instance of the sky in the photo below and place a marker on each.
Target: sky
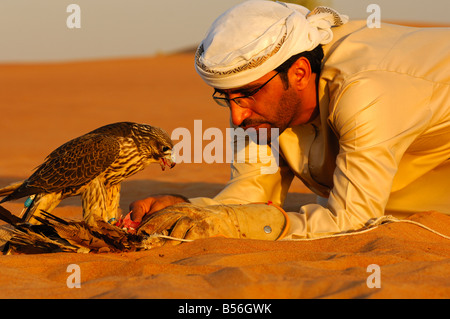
(37, 30)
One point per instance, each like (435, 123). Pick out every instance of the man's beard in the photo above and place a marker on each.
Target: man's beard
(261, 135)
(286, 112)
(280, 122)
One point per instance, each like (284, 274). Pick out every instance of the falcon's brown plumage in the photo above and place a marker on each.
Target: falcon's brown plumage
(93, 166)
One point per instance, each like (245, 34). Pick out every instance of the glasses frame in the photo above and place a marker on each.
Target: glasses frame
(226, 102)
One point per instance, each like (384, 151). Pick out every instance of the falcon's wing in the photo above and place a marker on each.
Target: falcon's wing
(75, 163)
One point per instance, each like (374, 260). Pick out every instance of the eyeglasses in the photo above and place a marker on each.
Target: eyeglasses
(243, 101)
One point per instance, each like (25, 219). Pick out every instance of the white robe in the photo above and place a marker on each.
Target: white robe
(381, 144)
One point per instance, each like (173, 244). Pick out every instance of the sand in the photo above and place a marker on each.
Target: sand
(45, 105)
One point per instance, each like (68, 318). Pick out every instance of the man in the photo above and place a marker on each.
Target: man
(369, 131)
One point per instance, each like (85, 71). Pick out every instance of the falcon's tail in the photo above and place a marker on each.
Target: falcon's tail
(19, 192)
(10, 189)
(8, 217)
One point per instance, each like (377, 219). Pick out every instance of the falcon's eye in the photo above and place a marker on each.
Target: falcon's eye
(165, 149)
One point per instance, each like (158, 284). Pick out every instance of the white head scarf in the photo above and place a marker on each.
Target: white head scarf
(255, 37)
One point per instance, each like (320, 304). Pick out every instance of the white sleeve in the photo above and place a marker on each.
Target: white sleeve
(377, 117)
(258, 174)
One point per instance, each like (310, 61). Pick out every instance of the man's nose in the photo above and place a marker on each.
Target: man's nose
(239, 114)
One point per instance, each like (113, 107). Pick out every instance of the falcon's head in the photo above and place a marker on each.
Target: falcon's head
(155, 143)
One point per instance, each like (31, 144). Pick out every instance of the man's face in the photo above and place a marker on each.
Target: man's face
(274, 106)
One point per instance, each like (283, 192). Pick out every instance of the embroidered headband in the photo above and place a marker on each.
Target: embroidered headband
(255, 37)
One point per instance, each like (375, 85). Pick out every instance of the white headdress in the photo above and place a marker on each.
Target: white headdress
(256, 36)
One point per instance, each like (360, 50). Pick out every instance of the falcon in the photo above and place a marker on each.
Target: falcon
(93, 166)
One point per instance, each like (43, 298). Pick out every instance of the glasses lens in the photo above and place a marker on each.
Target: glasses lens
(245, 101)
(222, 101)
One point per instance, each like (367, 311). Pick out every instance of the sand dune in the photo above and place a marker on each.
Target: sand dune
(43, 106)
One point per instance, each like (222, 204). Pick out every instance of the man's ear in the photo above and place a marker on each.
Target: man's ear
(300, 73)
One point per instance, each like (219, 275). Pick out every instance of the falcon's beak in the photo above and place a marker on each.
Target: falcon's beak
(168, 160)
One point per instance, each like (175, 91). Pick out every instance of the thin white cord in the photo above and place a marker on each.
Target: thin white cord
(423, 226)
(377, 222)
(172, 238)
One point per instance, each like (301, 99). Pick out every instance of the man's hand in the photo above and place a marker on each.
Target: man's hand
(147, 206)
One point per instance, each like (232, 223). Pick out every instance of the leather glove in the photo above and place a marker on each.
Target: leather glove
(188, 221)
